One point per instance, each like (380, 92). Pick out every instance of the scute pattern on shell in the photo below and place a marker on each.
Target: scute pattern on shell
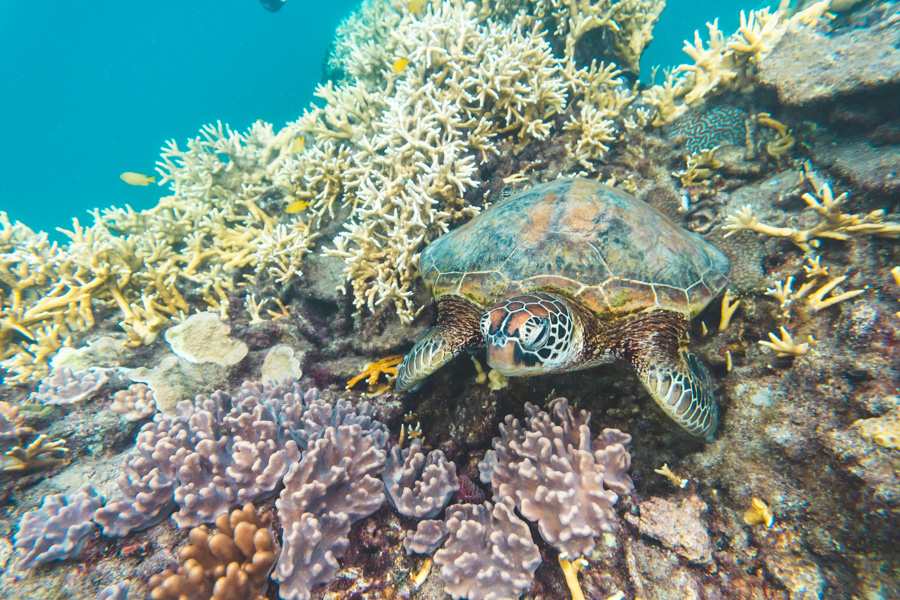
(611, 252)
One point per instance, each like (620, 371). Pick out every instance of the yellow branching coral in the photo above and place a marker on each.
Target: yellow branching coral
(786, 345)
(834, 224)
(42, 453)
(700, 166)
(722, 64)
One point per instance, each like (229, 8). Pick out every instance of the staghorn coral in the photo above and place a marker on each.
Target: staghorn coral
(212, 454)
(335, 484)
(834, 224)
(59, 529)
(561, 478)
(12, 428)
(419, 486)
(63, 386)
(232, 564)
(39, 454)
(722, 64)
(134, 403)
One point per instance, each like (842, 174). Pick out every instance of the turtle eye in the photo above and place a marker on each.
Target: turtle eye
(534, 333)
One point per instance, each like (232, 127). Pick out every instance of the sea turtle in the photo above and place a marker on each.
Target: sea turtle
(568, 275)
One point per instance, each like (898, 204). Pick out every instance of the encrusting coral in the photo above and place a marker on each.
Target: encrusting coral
(231, 564)
(59, 529)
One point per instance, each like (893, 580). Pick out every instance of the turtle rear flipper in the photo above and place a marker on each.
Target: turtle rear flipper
(682, 387)
(458, 329)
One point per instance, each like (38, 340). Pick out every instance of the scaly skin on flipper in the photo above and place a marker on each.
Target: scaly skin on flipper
(457, 330)
(676, 379)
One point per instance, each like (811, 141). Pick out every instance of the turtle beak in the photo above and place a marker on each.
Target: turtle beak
(505, 355)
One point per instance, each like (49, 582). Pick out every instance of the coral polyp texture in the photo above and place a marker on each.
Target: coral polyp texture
(419, 486)
(489, 553)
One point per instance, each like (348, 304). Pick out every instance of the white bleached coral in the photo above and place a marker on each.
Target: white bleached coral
(203, 338)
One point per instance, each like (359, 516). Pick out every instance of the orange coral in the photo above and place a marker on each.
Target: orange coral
(232, 564)
(374, 370)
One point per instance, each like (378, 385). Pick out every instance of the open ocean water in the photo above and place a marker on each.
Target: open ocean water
(93, 89)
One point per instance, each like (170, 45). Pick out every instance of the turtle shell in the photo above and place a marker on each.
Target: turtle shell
(609, 251)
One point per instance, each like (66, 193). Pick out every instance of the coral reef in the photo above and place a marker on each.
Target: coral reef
(232, 564)
(63, 386)
(135, 403)
(430, 112)
(419, 486)
(212, 454)
(561, 478)
(489, 552)
(334, 485)
(59, 529)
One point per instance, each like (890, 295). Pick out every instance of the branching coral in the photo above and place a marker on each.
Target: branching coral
(42, 453)
(834, 224)
(722, 64)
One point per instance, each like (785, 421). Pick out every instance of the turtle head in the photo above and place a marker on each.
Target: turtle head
(530, 334)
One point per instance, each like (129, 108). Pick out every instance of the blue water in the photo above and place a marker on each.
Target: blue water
(95, 87)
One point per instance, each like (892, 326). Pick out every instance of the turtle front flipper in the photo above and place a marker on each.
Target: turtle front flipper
(676, 379)
(457, 330)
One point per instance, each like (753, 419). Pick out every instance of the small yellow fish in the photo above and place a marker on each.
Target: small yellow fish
(416, 5)
(399, 65)
(295, 207)
(136, 178)
(298, 145)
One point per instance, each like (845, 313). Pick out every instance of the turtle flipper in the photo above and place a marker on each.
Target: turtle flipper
(683, 389)
(458, 329)
(676, 379)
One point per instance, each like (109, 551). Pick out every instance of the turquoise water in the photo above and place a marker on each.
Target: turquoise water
(93, 89)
